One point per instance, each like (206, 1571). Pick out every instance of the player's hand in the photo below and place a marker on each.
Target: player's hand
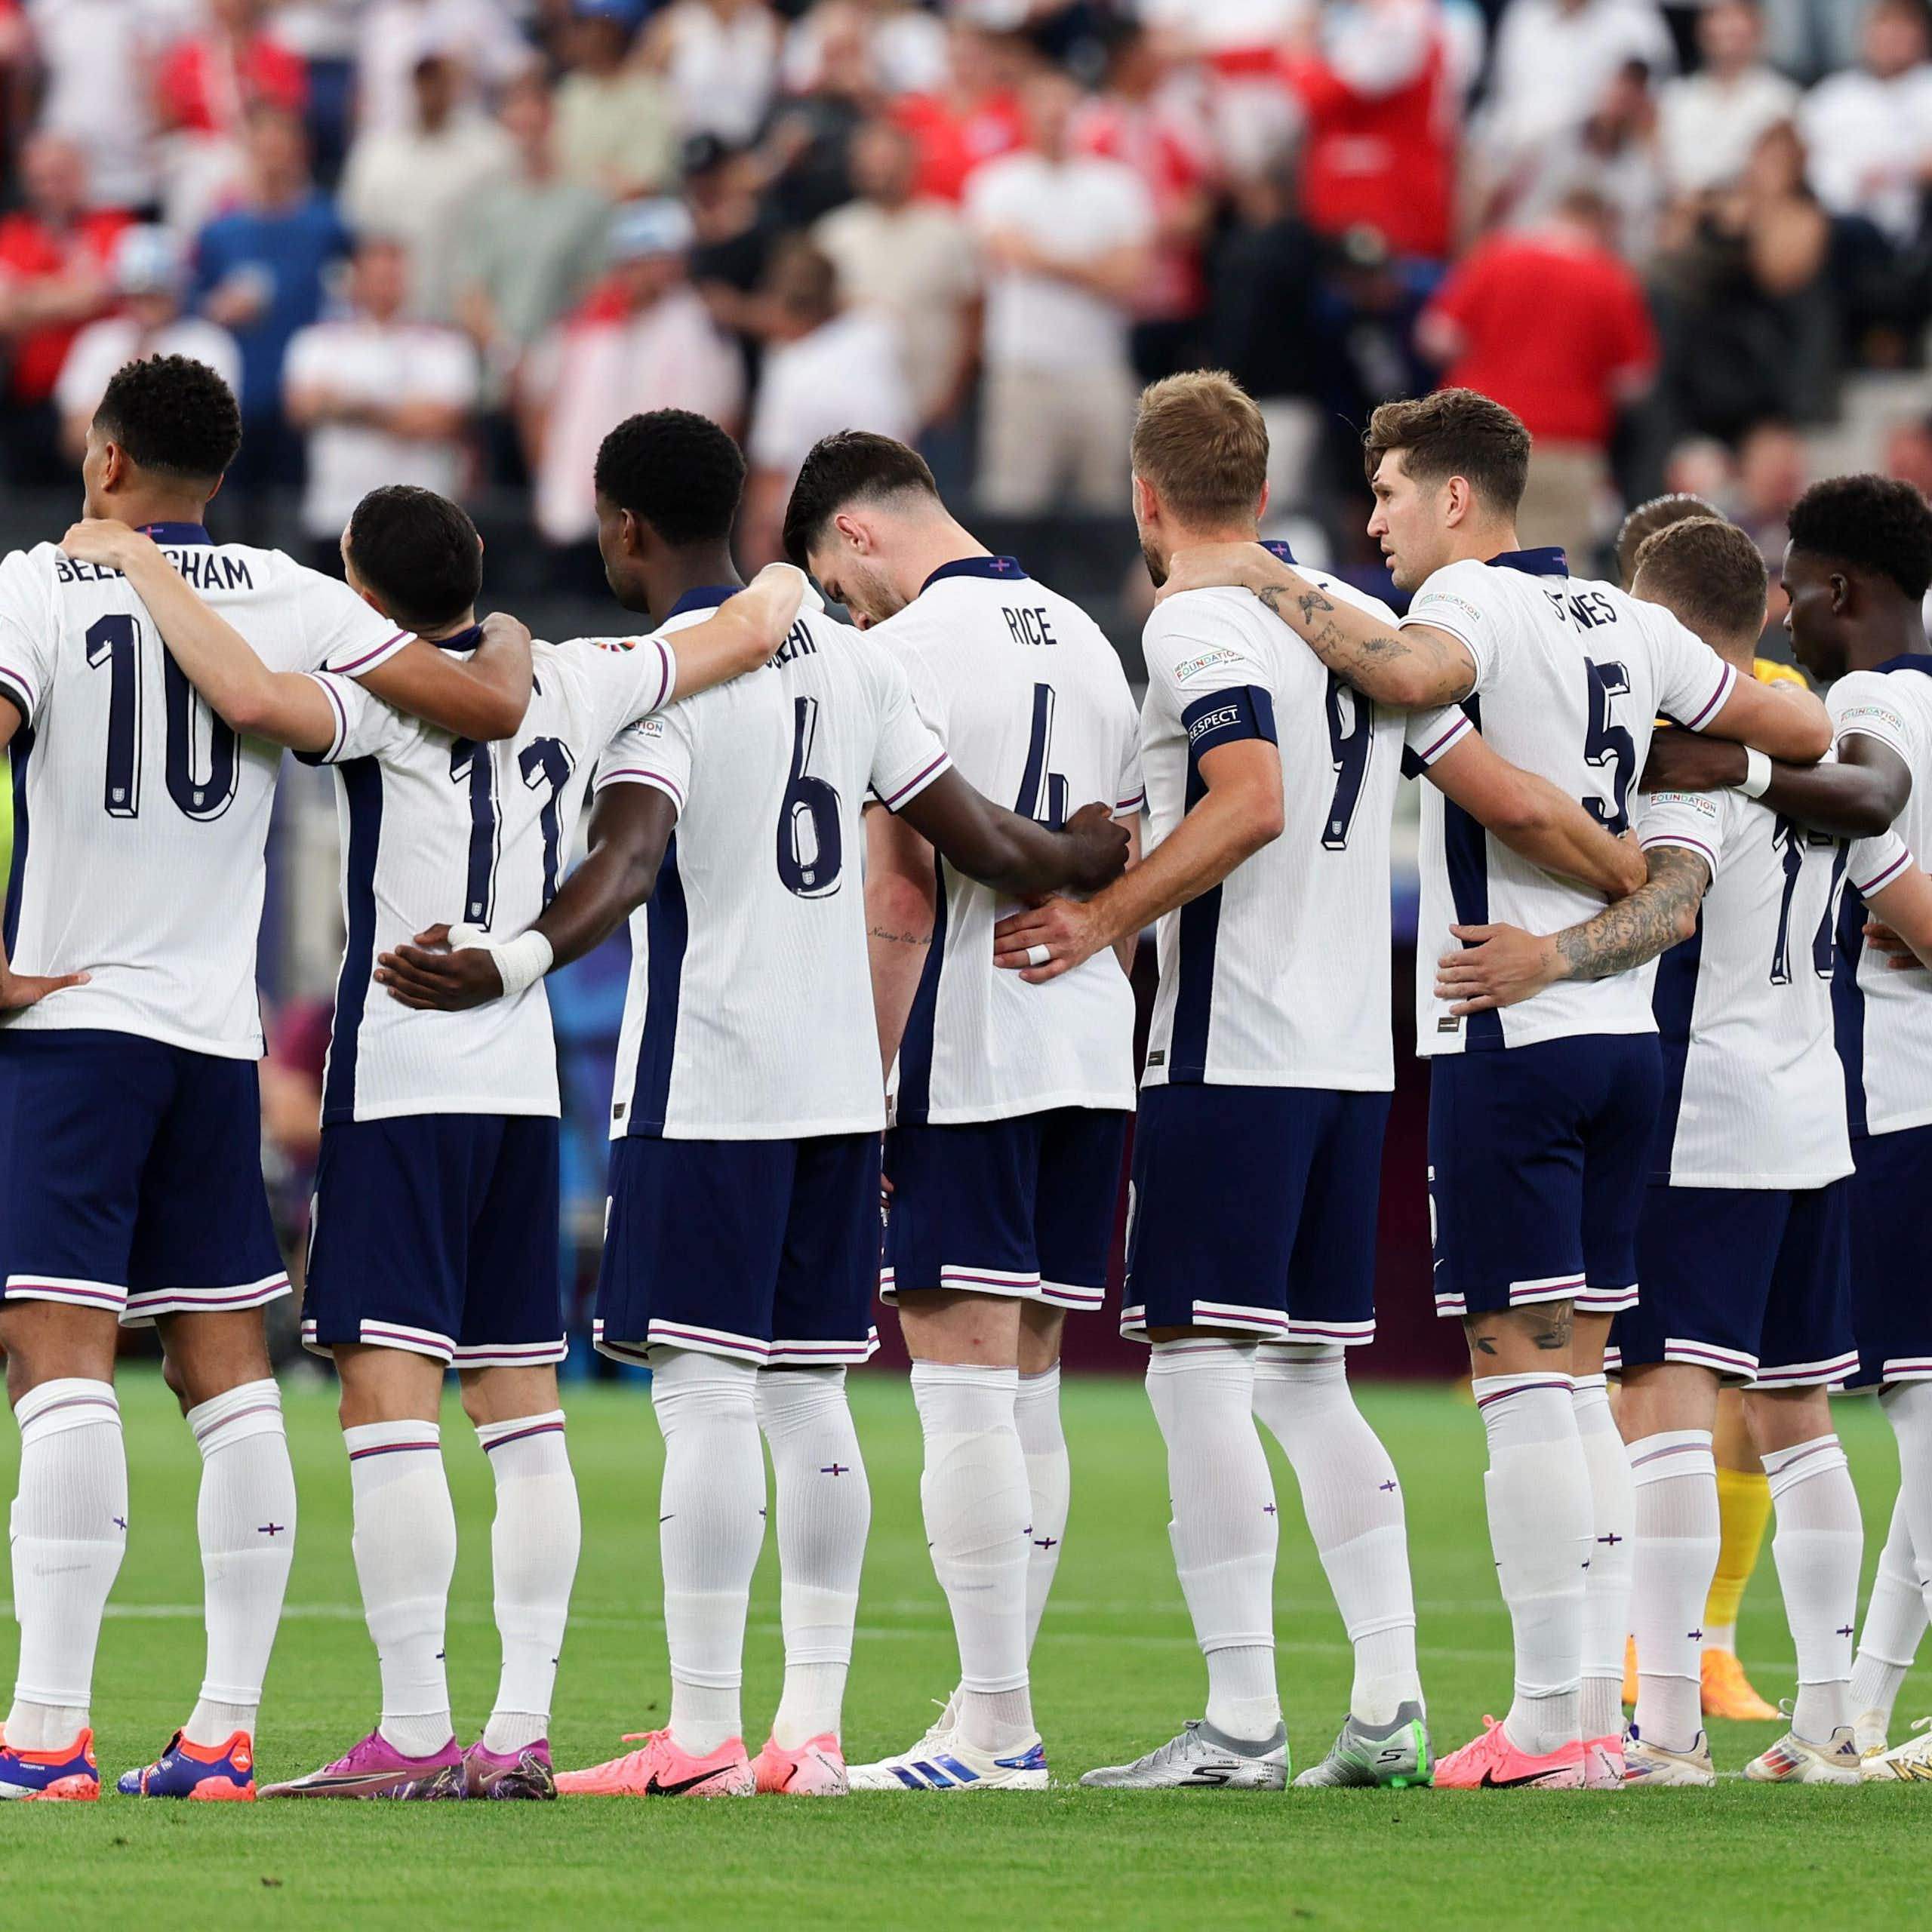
(1218, 566)
(102, 539)
(430, 977)
(19, 991)
(1047, 940)
(771, 602)
(500, 629)
(1500, 966)
(1897, 955)
(1683, 762)
(1100, 847)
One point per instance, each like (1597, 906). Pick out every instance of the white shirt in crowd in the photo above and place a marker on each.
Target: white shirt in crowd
(722, 65)
(103, 347)
(397, 34)
(1709, 126)
(436, 829)
(1870, 144)
(142, 829)
(100, 57)
(1083, 206)
(596, 372)
(1029, 699)
(1554, 63)
(358, 359)
(848, 374)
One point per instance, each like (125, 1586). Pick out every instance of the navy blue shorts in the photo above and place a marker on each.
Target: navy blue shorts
(131, 1177)
(1022, 1208)
(764, 1250)
(1254, 1209)
(1891, 1265)
(438, 1233)
(1537, 1160)
(1754, 1284)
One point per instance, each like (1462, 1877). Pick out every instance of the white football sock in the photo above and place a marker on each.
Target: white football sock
(1538, 1496)
(1677, 1534)
(1224, 1528)
(1606, 1580)
(825, 1511)
(1819, 1546)
(69, 1531)
(1893, 1628)
(1354, 1507)
(405, 1555)
(246, 1519)
(1049, 1477)
(534, 1543)
(1907, 1407)
(977, 1501)
(711, 1526)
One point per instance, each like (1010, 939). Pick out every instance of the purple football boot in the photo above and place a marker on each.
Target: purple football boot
(375, 1768)
(524, 1773)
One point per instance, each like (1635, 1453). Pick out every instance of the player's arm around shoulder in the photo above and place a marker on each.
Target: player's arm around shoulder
(286, 708)
(1779, 720)
(745, 632)
(483, 697)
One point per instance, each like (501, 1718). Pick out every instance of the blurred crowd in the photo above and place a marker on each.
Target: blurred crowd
(453, 241)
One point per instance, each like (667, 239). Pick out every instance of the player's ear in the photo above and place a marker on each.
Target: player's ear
(851, 531)
(1146, 504)
(1841, 593)
(1261, 508)
(214, 488)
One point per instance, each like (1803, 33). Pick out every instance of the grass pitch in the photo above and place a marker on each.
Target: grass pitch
(1116, 1671)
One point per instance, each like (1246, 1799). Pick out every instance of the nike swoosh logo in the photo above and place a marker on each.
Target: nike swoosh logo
(1491, 1782)
(654, 1789)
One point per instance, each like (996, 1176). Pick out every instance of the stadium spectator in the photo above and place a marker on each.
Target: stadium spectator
(1066, 239)
(150, 277)
(1552, 324)
(1870, 128)
(416, 183)
(56, 255)
(1615, 156)
(617, 121)
(97, 58)
(209, 80)
(911, 256)
(381, 397)
(324, 33)
(972, 116)
(805, 150)
(1379, 86)
(907, 44)
(1773, 471)
(734, 233)
(644, 341)
(1369, 305)
(829, 367)
(1711, 120)
(260, 272)
(532, 242)
(397, 35)
(721, 57)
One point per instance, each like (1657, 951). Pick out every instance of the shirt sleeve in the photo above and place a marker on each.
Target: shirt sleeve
(1428, 734)
(907, 755)
(1131, 789)
(1875, 863)
(1220, 686)
(634, 676)
(342, 634)
(1692, 819)
(448, 373)
(656, 751)
(364, 725)
(1471, 602)
(1865, 703)
(1693, 682)
(28, 635)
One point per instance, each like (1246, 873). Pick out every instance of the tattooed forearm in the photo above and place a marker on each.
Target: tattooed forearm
(900, 939)
(1660, 912)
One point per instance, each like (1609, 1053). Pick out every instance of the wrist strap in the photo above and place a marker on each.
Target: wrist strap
(1757, 779)
(521, 962)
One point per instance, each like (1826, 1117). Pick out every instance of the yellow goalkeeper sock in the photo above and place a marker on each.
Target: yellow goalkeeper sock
(1744, 1507)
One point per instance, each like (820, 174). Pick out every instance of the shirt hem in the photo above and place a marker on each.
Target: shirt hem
(966, 1114)
(37, 1019)
(457, 1104)
(758, 1130)
(1326, 1082)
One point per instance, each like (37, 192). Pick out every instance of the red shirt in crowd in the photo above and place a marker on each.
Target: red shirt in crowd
(952, 144)
(207, 87)
(33, 250)
(1549, 323)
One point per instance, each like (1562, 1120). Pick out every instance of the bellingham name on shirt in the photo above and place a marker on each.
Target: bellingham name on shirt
(204, 568)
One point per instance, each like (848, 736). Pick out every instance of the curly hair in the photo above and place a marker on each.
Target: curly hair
(418, 553)
(678, 471)
(174, 416)
(1874, 525)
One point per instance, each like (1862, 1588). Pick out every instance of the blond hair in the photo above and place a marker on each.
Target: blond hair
(1199, 440)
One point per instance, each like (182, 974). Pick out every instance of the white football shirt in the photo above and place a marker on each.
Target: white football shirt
(1028, 697)
(750, 1013)
(1278, 977)
(1754, 1096)
(437, 828)
(140, 820)
(1570, 675)
(1884, 1017)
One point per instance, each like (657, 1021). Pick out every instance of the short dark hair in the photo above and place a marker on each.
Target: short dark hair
(1647, 518)
(678, 471)
(174, 416)
(1455, 432)
(1708, 573)
(418, 553)
(849, 466)
(1870, 523)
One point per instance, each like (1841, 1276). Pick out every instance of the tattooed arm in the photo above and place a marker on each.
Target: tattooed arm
(1502, 965)
(1409, 669)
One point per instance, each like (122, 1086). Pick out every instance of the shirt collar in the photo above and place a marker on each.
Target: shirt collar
(1911, 661)
(177, 533)
(1001, 570)
(462, 640)
(1276, 548)
(1550, 562)
(706, 597)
